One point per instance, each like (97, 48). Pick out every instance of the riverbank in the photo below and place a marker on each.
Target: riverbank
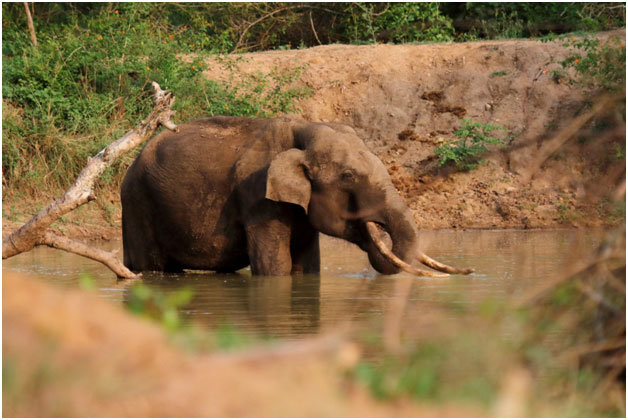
(404, 101)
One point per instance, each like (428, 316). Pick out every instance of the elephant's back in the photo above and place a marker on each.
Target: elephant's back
(200, 155)
(183, 182)
(207, 143)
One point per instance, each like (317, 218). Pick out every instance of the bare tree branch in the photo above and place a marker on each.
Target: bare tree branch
(34, 233)
(394, 317)
(107, 258)
(31, 26)
(314, 30)
(274, 12)
(255, 22)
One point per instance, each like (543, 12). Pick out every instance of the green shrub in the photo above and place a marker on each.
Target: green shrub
(598, 63)
(523, 19)
(89, 80)
(472, 141)
(397, 22)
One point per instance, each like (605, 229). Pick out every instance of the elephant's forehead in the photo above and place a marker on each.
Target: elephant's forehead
(338, 149)
(347, 152)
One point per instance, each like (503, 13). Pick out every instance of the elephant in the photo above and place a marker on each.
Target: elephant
(224, 193)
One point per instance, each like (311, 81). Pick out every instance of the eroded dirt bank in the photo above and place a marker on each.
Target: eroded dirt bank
(404, 100)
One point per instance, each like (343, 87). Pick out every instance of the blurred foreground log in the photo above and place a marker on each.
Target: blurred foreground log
(533, 163)
(589, 305)
(34, 232)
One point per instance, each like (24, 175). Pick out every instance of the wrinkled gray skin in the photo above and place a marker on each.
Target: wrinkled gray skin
(226, 192)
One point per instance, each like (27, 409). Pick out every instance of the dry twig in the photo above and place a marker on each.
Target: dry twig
(34, 233)
(394, 318)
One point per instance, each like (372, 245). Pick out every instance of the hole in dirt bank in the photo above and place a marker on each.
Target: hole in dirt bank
(436, 96)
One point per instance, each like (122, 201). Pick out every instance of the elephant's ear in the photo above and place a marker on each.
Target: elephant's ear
(286, 179)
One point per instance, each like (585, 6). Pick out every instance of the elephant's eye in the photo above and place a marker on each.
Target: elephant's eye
(347, 176)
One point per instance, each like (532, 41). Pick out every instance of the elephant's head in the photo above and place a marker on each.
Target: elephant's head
(346, 192)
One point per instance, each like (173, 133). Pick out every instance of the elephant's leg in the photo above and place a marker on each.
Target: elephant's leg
(305, 250)
(138, 243)
(268, 244)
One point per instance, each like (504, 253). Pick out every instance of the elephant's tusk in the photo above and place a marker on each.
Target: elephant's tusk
(432, 263)
(396, 261)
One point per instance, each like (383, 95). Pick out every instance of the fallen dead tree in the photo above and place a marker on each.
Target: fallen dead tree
(35, 232)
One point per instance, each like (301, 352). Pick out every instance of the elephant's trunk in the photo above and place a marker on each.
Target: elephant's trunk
(399, 224)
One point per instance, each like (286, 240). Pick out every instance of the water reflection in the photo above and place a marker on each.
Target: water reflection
(266, 305)
(348, 290)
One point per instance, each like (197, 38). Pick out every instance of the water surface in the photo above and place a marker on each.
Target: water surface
(348, 290)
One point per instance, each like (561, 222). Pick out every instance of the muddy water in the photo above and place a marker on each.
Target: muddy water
(348, 291)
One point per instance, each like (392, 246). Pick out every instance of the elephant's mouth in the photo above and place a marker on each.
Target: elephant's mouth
(372, 229)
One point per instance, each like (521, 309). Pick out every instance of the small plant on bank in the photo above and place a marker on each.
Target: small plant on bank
(472, 141)
(499, 73)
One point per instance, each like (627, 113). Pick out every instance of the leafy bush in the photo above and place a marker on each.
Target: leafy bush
(88, 81)
(599, 64)
(522, 19)
(472, 142)
(398, 22)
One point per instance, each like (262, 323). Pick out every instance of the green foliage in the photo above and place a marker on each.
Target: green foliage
(260, 95)
(499, 73)
(619, 151)
(159, 306)
(397, 22)
(566, 213)
(524, 19)
(434, 370)
(167, 309)
(227, 337)
(598, 63)
(88, 81)
(472, 141)
(86, 282)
